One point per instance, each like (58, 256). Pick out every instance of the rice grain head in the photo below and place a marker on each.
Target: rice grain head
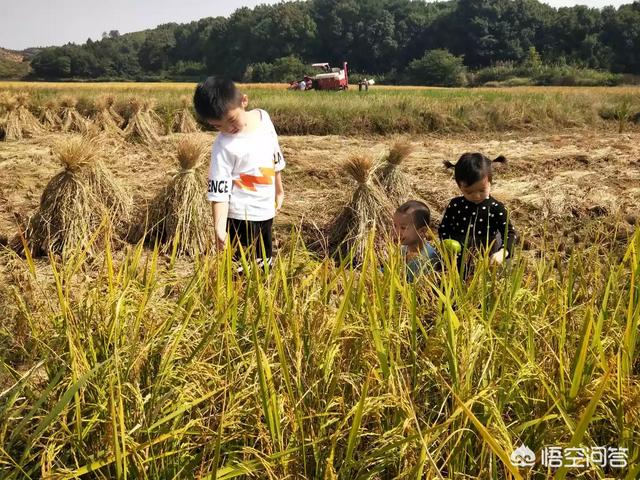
(75, 152)
(105, 120)
(359, 167)
(49, 115)
(190, 152)
(388, 174)
(141, 127)
(368, 211)
(71, 119)
(399, 152)
(183, 121)
(181, 212)
(77, 200)
(18, 121)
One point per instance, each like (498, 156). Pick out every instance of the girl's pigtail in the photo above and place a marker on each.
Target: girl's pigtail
(448, 164)
(500, 159)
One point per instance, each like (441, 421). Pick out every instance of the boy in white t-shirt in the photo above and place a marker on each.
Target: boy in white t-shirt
(244, 184)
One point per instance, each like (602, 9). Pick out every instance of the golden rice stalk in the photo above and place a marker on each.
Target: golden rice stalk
(190, 152)
(10, 128)
(71, 120)
(49, 116)
(183, 121)
(181, 212)
(76, 200)
(111, 102)
(400, 150)
(18, 121)
(141, 127)
(5, 98)
(368, 210)
(359, 167)
(394, 182)
(158, 122)
(104, 119)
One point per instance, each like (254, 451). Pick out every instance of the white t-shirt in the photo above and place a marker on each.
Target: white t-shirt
(242, 171)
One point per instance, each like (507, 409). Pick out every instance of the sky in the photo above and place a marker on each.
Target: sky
(40, 23)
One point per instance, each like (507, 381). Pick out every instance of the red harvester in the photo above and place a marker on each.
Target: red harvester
(331, 78)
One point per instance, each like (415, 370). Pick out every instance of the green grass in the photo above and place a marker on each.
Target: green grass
(389, 111)
(133, 364)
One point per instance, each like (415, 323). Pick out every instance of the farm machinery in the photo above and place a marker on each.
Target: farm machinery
(329, 79)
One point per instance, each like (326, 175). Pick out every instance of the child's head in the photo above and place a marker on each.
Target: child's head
(411, 222)
(473, 174)
(219, 103)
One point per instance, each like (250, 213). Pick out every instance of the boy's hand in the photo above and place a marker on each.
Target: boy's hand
(499, 256)
(220, 242)
(279, 201)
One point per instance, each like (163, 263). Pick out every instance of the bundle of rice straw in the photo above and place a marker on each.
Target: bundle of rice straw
(141, 127)
(111, 101)
(180, 212)
(158, 122)
(104, 119)
(183, 121)
(70, 118)
(18, 121)
(49, 116)
(75, 201)
(369, 210)
(394, 182)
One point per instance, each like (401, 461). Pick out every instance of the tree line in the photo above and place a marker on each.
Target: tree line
(387, 38)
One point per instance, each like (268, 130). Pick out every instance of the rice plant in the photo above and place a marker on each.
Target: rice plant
(136, 364)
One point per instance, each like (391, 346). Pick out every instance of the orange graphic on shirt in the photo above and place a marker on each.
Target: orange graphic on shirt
(249, 182)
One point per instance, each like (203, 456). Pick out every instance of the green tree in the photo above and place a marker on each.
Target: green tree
(621, 34)
(533, 61)
(51, 63)
(437, 67)
(154, 54)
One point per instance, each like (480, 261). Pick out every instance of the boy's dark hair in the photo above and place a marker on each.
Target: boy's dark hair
(472, 167)
(215, 96)
(419, 211)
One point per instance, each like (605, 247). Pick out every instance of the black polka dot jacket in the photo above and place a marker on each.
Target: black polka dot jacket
(478, 224)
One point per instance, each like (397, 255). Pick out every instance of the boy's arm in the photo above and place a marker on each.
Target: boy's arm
(279, 191)
(219, 191)
(279, 164)
(220, 213)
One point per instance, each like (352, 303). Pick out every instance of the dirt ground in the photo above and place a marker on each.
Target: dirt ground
(552, 183)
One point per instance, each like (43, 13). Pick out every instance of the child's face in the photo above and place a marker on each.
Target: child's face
(406, 231)
(476, 192)
(234, 120)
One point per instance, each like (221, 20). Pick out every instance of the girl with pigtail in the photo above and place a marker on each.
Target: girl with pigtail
(475, 219)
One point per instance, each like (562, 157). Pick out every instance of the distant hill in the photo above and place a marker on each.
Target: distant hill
(15, 65)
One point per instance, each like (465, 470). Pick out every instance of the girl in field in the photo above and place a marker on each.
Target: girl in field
(475, 219)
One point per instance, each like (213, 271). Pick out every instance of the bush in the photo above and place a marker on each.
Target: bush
(498, 72)
(437, 67)
(575, 76)
(508, 74)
